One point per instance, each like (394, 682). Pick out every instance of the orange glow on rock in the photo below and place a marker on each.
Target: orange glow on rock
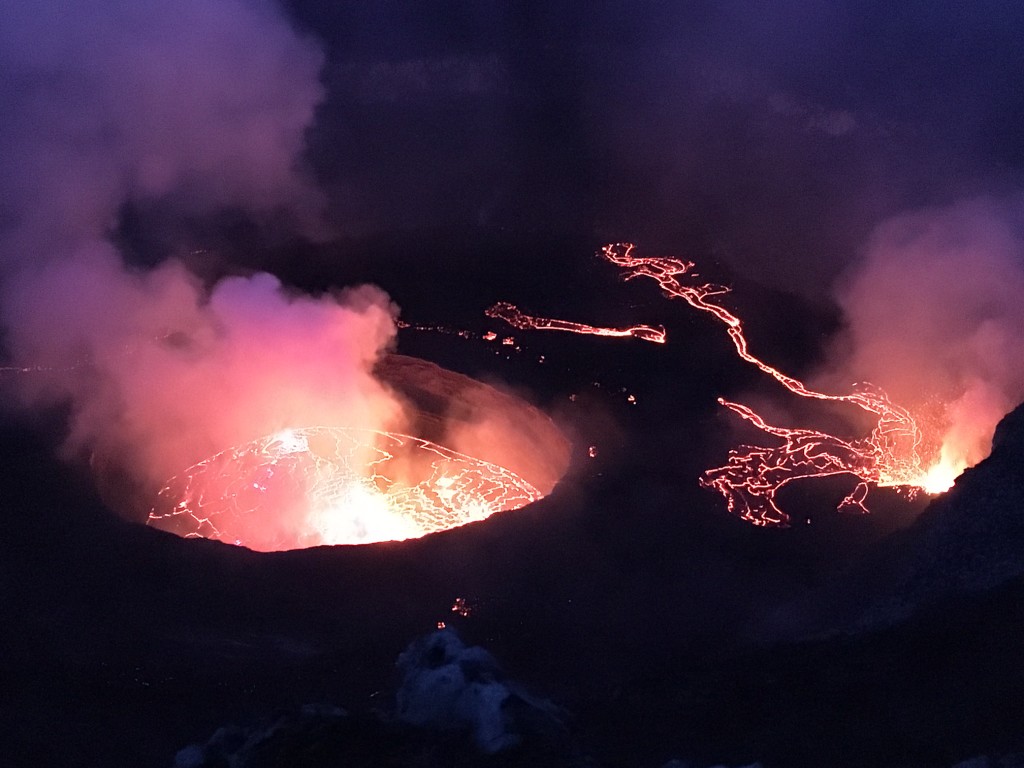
(940, 477)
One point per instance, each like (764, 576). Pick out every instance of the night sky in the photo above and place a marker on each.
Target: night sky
(773, 137)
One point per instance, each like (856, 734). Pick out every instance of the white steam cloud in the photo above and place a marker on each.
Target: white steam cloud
(195, 106)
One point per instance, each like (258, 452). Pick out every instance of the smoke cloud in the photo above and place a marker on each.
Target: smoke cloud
(200, 104)
(934, 314)
(773, 141)
(195, 107)
(162, 373)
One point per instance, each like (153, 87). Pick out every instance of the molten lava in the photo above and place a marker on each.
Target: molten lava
(334, 485)
(518, 319)
(888, 457)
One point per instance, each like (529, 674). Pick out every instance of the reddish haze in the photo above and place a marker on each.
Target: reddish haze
(161, 373)
(935, 314)
(190, 109)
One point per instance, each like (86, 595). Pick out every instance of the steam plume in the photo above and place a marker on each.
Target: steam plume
(193, 106)
(199, 103)
(935, 315)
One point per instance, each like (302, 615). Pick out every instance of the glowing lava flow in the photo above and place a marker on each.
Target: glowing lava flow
(753, 475)
(334, 485)
(517, 319)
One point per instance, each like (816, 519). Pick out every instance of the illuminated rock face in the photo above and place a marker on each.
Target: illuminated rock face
(332, 485)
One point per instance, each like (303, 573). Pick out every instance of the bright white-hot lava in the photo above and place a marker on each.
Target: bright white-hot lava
(940, 477)
(333, 485)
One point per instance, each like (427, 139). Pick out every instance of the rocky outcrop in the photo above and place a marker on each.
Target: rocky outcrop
(454, 708)
(968, 540)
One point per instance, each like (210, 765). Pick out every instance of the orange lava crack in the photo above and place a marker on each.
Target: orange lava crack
(753, 475)
(334, 485)
(512, 315)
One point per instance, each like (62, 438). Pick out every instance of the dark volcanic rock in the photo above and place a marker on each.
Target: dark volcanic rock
(449, 686)
(969, 540)
(455, 707)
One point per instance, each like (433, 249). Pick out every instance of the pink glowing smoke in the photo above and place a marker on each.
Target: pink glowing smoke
(195, 107)
(161, 373)
(935, 314)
